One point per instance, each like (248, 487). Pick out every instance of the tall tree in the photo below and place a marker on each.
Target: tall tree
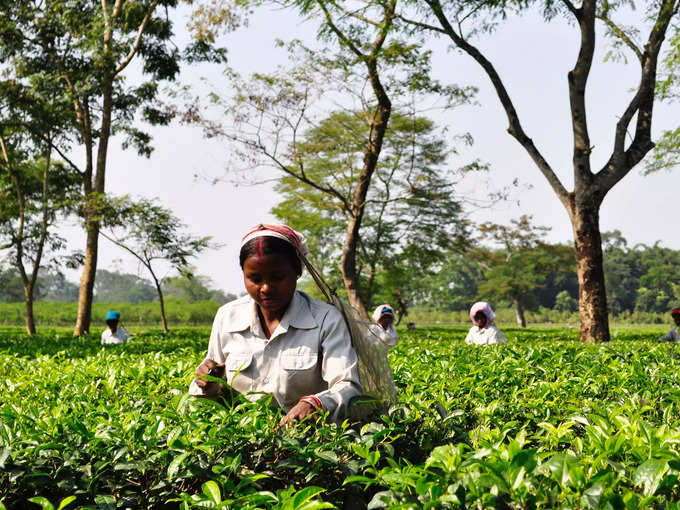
(521, 265)
(270, 115)
(34, 190)
(86, 46)
(632, 136)
(150, 233)
(412, 214)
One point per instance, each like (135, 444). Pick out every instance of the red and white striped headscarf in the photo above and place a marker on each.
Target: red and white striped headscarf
(280, 231)
(485, 308)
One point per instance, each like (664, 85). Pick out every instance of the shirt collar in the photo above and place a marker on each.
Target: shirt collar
(298, 315)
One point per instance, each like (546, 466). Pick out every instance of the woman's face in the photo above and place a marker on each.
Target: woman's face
(480, 319)
(270, 280)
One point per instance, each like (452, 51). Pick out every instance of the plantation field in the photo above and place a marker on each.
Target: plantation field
(542, 422)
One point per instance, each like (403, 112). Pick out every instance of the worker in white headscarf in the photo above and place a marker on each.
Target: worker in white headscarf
(383, 329)
(277, 340)
(484, 332)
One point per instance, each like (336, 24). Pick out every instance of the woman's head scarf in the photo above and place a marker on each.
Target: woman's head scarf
(382, 310)
(485, 308)
(282, 232)
(675, 311)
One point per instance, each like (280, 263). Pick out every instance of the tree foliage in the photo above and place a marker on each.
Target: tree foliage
(412, 213)
(514, 272)
(81, 51)
(150, 233)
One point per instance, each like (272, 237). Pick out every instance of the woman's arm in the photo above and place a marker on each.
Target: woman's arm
(339, 365)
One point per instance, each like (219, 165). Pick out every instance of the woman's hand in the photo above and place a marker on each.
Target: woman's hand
(208, 367)
(299, 412)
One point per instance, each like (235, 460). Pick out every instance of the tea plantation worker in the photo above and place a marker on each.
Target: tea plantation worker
(483, 332)
(113, 334)
(278, 340)
(673, 335)
(383, 328)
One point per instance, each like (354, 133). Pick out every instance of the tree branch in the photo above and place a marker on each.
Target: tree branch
(621, 160)
(338, 32)
(572, 8)
(121, 244)
(515, 128)
(138, 39)
(618, 32)
(63, 156)
(578, 79)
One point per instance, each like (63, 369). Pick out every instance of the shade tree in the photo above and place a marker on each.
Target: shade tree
(86, 49)
(462, 23)
(35, 189)
(152, 234)
(359, 65)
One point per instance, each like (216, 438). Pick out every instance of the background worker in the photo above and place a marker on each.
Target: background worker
(484, 332)
(113, 334)
(383, 328)
(673, 335)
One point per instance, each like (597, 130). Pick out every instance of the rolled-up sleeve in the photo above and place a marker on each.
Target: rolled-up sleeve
(339, 366)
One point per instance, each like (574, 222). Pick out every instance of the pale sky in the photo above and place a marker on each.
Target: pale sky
(531, 56)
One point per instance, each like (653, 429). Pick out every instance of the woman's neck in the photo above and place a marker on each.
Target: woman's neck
(270, 319)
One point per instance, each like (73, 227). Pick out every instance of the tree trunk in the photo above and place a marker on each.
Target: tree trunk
(30, 319)
(348, 267)
(86, 290)
(592, 294)
(91, 248)
(519, 313)
(161, 301)
(402, 307)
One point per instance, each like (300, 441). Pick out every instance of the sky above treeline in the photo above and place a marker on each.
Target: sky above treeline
(532, 56)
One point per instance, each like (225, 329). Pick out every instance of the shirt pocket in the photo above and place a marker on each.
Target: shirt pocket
(238, 361)
(294, 360)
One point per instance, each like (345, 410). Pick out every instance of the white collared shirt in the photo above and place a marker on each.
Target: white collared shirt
(309, 353)
(387, 336)
(672, 336)
(485, 336)
(119, 337)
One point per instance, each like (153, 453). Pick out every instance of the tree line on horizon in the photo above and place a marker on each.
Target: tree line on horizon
(640, 278)
(113, 287)
(343, 123)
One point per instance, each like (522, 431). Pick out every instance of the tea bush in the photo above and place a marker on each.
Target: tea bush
(541, 422)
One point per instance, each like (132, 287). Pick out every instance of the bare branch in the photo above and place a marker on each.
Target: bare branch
(515, 128)
(618, 32)
(138, 39)
(623, 160)
(63, 156)
(419, 24)
(122, 244)
(572, 8)
(345, 40)
(578, 79)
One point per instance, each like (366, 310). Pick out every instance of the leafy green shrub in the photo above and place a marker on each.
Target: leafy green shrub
(541, 422)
